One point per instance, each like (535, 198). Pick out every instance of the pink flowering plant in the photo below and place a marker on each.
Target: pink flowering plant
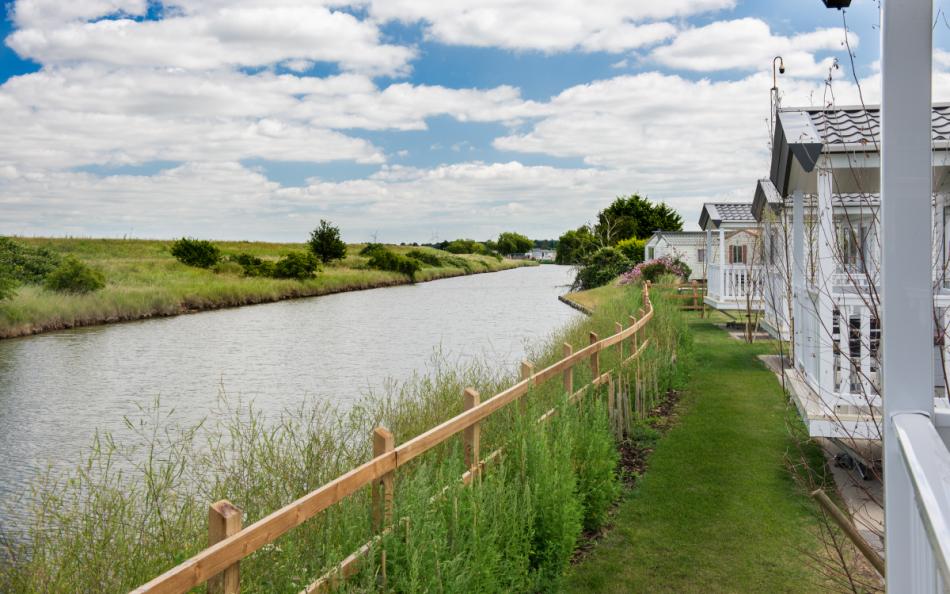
(653, 269)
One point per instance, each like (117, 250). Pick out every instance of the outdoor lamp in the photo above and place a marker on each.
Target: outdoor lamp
(839, 4)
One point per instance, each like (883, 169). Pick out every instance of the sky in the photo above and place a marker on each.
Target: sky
(403, 120)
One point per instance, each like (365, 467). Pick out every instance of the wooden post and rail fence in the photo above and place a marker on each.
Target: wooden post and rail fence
(229, 543)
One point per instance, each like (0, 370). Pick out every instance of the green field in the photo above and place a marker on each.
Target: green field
(144, 280)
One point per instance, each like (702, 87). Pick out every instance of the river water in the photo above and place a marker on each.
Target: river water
(56, 389)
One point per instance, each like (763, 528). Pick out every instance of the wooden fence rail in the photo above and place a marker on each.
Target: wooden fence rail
(228, 544)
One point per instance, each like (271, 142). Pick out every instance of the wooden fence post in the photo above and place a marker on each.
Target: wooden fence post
(633, 337)
(527, 371)
(594, 358)
(695, 297)
(611, 404)
(471, 437)
(224, 520)
(619, 328)
(569, 372)
(382, 515)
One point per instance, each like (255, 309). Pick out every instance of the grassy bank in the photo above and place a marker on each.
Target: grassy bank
(107, 530)
(717, 510)
(144, 280)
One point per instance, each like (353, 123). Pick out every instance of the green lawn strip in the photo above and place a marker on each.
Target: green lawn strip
(716, 510)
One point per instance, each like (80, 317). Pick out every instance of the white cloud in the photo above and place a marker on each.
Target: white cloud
(226, 200)
(203, 37)
(749, 44)
(91, 114)
(546, 25)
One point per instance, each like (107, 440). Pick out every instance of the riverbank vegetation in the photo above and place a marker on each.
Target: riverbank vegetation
(142, 278)
(132, 511)
(616, 243)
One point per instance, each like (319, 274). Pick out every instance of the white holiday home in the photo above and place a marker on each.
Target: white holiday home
(820, 219)
(688, 246)
(735, 264)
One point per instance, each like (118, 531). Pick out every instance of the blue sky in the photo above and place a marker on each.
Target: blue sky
(407, 119)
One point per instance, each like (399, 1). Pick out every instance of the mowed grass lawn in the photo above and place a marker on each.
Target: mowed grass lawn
(717, 510)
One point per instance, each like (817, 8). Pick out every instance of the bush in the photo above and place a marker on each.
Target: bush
(73, 276)
(651, 270)
(26, 264)
(600, 268)
(387, 260)
(371, 248)
(298, 265)
(425, 257)
(634, 249)
(465, 246)
(228, 267)
(325, 242)
(196, 252)
(252, 265)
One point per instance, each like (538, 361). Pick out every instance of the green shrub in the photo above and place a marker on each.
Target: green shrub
(74, 276)
(299, 265)
(228, 267)
(371, 248)
(513, 243)
(252, 265)
(325, 242)
(634, 249)
(387, 260)
(466, 246)
(196, 252)
(600, 268)
(425, 257)
(26, 264)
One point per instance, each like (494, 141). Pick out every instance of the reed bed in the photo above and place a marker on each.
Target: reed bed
(130, 511)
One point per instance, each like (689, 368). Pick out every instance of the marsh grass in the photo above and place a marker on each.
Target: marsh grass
(143, 280)
(132, 510)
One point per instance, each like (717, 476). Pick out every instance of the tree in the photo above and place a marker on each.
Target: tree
(514, 243)
(325, 242)
(635, 217)
(574, 246)
(600, 268)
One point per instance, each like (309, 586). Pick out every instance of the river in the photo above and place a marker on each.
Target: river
(56, 389)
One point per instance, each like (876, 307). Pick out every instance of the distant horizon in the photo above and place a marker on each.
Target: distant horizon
(403, 120)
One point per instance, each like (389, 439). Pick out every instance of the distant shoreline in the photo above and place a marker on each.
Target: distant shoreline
(144, 282)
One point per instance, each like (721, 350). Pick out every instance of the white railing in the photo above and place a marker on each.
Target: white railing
(927, 470)
(734, 282)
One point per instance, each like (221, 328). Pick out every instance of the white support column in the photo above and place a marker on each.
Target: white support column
(825, 272)
(798, 269)
(723, 290)
(709, 255)
(907, 336)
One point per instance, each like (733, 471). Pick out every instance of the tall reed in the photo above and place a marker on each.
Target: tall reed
(132, 510)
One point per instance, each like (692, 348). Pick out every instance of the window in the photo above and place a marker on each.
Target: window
(738, 254)
(853, 234)
(701, 255)
(650, 252)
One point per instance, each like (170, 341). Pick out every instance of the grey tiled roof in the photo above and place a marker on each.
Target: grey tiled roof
(857, 127)
(731, 211)
(725, 212)
(682, 238)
